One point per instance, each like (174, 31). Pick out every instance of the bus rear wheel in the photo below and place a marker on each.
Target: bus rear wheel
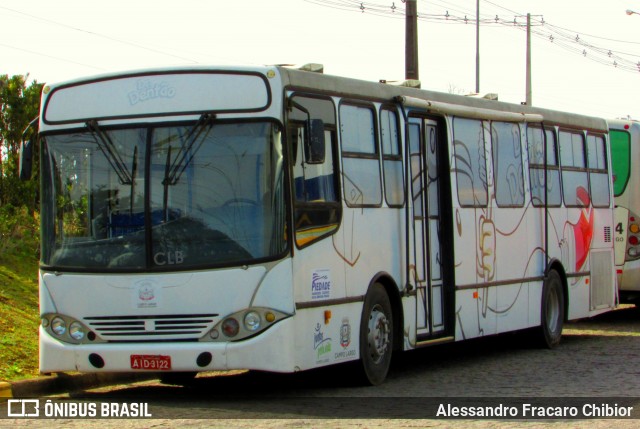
(552, 310)
(376, 335)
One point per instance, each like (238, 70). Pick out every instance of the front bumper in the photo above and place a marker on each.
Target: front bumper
(272, 350)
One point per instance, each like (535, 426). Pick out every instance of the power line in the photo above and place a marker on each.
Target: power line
(575, 42)
(103, 36)
(50, 56)
(502, 7)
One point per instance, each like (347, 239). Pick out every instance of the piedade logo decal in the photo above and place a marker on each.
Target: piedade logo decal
(320, 284)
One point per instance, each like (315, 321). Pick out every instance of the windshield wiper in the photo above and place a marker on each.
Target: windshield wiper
(110, 152)
(186, 152)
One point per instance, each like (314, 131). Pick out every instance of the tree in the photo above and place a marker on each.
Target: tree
(19, 105)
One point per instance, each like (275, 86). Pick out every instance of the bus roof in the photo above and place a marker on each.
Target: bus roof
(349, 87)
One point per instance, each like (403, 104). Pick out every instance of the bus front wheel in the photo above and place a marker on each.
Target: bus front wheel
(552, 310)
(376, 335)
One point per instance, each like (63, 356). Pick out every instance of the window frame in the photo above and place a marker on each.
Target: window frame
(474, 204)
(494, 159)
(546, 130)
(398, 158)
(572, 168)
(348, 154)
(627, 159)
(331, 208)
(598, 171)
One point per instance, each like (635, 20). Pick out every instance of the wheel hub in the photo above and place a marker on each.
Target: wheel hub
(378, 336)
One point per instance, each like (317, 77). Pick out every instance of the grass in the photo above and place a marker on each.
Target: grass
(19, 315)
(19, 318)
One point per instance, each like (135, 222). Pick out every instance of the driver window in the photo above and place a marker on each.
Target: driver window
(313, 182)
(316, 200)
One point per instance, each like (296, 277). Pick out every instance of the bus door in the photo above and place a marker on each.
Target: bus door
(427, 270)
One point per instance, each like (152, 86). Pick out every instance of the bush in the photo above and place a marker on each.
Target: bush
(19, 232)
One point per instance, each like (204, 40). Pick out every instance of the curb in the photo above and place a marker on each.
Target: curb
(64, 383)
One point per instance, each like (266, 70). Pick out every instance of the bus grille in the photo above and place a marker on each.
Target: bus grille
(151, 328)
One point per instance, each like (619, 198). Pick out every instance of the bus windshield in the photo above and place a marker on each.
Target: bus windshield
(163, 197)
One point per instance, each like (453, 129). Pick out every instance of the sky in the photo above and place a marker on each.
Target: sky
(574, 43)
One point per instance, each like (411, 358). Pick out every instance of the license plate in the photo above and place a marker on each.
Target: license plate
(151, 362)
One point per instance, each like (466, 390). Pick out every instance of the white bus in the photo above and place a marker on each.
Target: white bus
(198, 219)
(625, 150)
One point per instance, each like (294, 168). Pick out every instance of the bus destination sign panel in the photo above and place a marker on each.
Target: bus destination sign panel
(162, 94)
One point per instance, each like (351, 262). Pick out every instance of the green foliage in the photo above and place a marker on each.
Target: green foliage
(19, 105)
(19, 234)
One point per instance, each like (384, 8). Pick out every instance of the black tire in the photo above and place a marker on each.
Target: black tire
(376, 335)
(178, 378)
(552, 310)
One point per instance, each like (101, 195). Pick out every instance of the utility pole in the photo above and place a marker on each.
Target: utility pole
(477, 46)
(411, 41)
(528, 77)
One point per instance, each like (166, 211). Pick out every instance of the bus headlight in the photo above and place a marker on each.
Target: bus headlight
(58, 326)
(76, 331)
(254, 320)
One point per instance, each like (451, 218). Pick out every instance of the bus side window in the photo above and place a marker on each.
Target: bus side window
(575, 183)
(598, 172)
(536, 145)
(471, 167)
(391, 158)
(315, 193)
(507, 164)
(360, 157)
(620, 159)
(312, 182)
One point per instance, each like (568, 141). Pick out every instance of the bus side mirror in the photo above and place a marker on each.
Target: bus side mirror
(26, 159)
(314, 147)
(25, 163)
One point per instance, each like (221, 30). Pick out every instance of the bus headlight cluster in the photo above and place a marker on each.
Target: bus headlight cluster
(67, 329)
(244, 324)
